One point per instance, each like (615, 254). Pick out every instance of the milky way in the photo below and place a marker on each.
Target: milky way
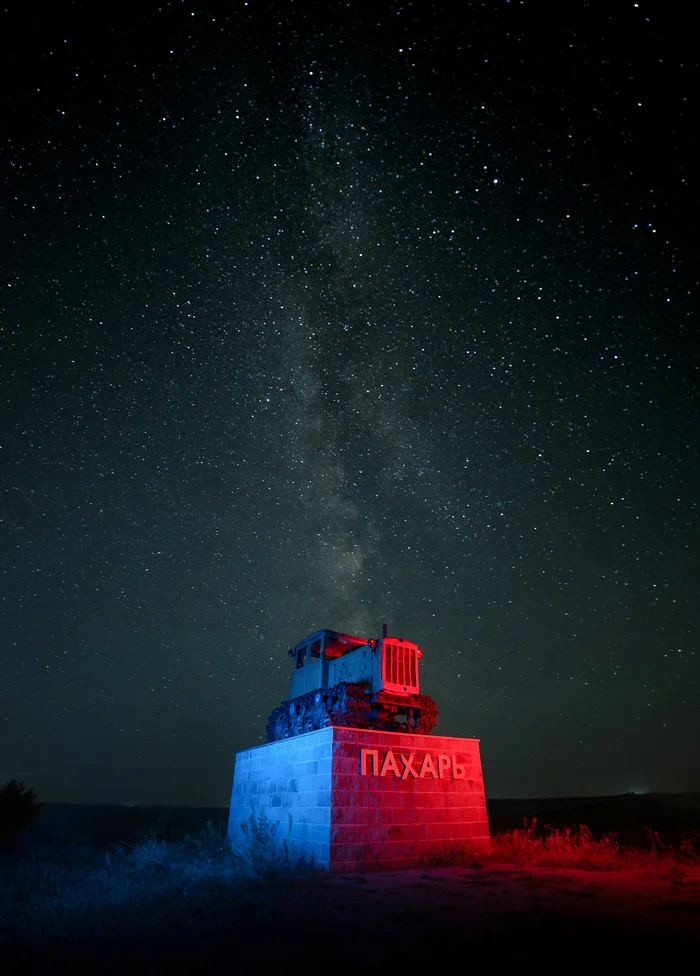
(317, 318)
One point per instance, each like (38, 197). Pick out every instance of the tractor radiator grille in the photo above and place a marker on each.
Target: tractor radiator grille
(400, 666)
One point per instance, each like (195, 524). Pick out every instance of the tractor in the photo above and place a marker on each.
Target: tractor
(339, 679)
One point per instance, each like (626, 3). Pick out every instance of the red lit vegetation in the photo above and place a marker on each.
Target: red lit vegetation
(578, 847)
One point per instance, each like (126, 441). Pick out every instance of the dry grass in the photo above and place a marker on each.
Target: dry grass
(150, 892)
(578, 847)
(197, 892)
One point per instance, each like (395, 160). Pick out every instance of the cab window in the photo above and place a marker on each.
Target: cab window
(315, 651)
(301, 657)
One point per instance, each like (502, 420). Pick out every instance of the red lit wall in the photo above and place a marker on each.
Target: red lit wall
(399, 809)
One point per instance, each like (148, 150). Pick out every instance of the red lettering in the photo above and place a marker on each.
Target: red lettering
(374, 756)
(389, 765)
(443, 765)
(438, 768)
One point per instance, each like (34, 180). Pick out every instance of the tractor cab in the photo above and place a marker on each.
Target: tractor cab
(312, 656)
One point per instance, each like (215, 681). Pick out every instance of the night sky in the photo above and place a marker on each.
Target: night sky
(324, 315)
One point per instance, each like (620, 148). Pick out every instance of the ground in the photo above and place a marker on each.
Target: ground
(510, 905)
(66, 899)
(491, 914)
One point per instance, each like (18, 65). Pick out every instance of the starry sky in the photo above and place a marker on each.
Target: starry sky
(329, 314)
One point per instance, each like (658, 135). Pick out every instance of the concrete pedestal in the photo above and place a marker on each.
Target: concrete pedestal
(362, 800)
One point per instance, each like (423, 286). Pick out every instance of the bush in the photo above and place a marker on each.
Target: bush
(263, 854)
(18, 807)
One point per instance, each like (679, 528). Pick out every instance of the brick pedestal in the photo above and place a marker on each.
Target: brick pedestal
(361, 800)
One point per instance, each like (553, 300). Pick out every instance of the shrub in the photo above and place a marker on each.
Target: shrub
(18, 807)
(150, 853)
(210, 844)
(262, 853)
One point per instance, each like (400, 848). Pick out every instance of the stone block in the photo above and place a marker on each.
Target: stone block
(361, 799)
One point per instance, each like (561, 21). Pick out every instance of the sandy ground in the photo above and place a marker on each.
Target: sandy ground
(656, 898)
(494, 914)
(440, 919)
